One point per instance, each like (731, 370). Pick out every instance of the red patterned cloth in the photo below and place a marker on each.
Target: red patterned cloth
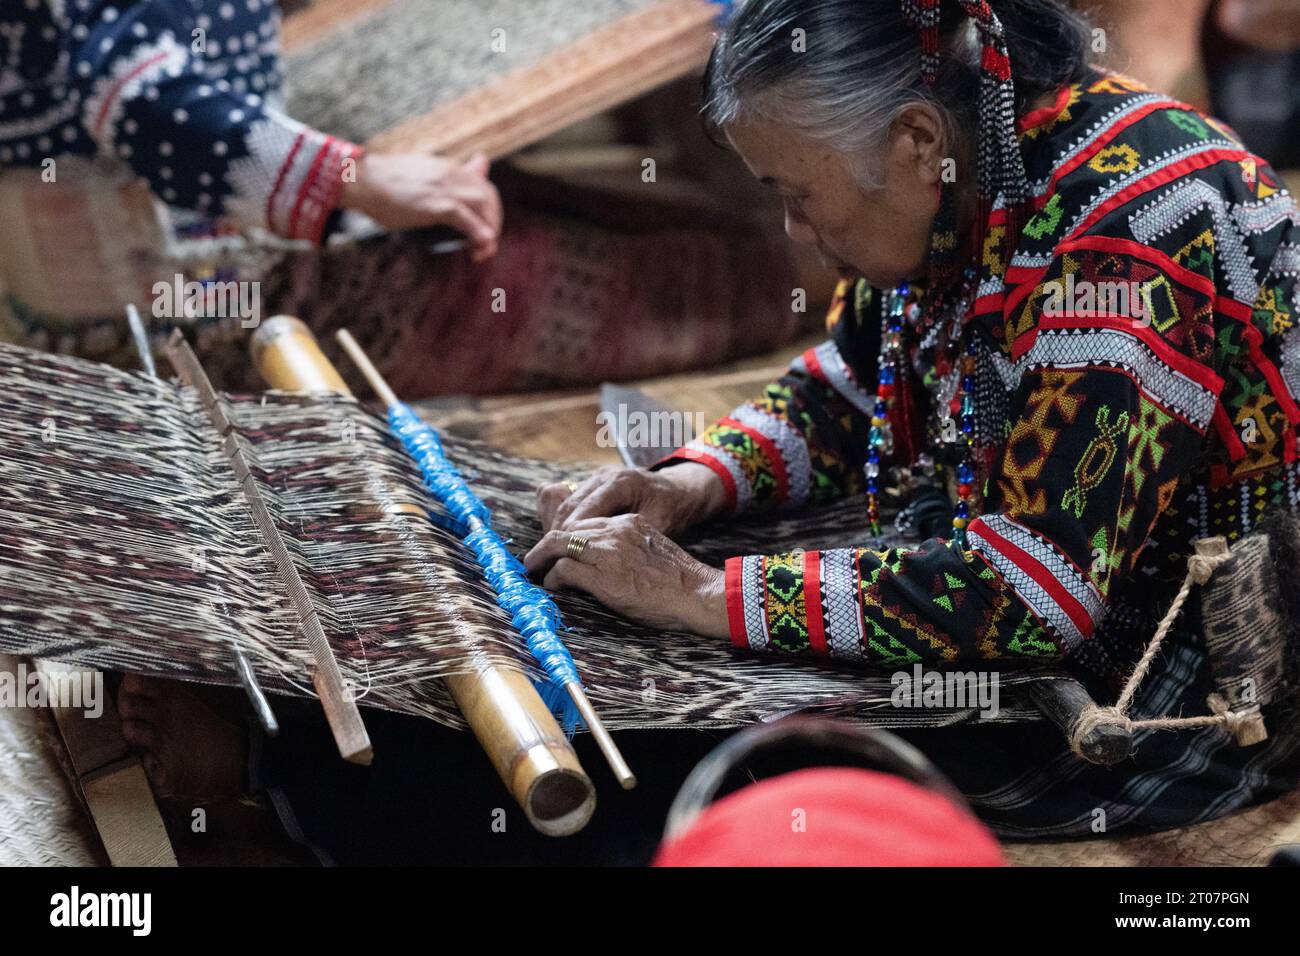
(564, 302)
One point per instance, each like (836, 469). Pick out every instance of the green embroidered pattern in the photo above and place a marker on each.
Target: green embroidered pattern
(787, 615)
(887, 649)
(1188, 124)
(1096, 460)
(1031, 640)
(1046, 221)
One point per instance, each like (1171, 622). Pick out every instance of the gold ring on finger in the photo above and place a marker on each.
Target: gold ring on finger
(577, 544)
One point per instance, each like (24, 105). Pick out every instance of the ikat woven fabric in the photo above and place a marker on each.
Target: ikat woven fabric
(126, 544)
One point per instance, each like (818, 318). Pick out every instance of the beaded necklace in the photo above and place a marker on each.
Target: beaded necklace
(959, 422)
(964, 404)
(889, 365)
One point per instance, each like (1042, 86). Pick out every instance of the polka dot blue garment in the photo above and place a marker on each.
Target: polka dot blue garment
(179, 91)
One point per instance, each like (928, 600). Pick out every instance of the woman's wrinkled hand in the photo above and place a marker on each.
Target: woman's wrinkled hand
(629, 566)
(415, 190)
(670, 500)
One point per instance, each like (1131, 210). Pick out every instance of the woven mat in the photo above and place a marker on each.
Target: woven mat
(406, 57)
(42, 821)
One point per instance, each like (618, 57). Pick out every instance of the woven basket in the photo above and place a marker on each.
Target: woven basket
(42, 821)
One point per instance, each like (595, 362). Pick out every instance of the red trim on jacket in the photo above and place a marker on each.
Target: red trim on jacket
(1031, 566)
(814, 364)
(703, 458)
(1227, 434)
(1043, 115)
(736, 602)
(1155, 180)
(1199, 373)
(812, 600)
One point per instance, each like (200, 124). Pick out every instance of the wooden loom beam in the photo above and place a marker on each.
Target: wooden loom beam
(608, 66)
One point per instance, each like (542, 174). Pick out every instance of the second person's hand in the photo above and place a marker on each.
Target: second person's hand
(415, 190)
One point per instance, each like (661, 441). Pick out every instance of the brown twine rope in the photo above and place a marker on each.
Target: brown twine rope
(1199, 569)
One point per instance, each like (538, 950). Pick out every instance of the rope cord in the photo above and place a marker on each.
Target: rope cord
(1199, 569)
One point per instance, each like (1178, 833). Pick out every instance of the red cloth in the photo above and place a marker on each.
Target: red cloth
(833, 816)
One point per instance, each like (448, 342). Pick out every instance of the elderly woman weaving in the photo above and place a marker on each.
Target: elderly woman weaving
(1066, 300)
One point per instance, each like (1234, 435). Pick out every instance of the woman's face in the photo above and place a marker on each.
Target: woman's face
(881, 234)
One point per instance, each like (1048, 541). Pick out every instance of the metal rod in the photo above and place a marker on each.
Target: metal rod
(613, 756)
(141, 340)
(247, 678)
(256, 696)
(598, 730)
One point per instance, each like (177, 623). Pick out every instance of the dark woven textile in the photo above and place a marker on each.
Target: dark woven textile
(127, 545)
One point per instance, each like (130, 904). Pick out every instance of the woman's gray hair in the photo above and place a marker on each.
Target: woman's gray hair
(842, 71)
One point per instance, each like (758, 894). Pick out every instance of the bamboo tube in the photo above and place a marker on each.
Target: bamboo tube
(531, 754)
(286, 355)
(572, 687)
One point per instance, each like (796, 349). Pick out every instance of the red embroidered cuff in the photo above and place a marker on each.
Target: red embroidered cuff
(308, 184)
(318, 196)
(736, 602)
(812, 576)
(687, 453)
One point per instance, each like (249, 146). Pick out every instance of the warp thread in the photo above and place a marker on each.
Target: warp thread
(1246, 727)
(139, 471)
(532, 612)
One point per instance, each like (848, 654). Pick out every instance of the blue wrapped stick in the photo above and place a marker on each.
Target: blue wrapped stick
(531, 609)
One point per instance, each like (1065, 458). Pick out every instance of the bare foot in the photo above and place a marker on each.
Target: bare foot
(191, 744)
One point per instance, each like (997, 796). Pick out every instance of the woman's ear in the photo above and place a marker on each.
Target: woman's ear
(919, 142)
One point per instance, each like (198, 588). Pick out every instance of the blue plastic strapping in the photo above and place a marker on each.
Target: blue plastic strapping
(531, 609)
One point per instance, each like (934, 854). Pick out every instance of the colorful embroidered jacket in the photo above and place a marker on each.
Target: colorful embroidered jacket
(178, 90)
(1137, 373)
